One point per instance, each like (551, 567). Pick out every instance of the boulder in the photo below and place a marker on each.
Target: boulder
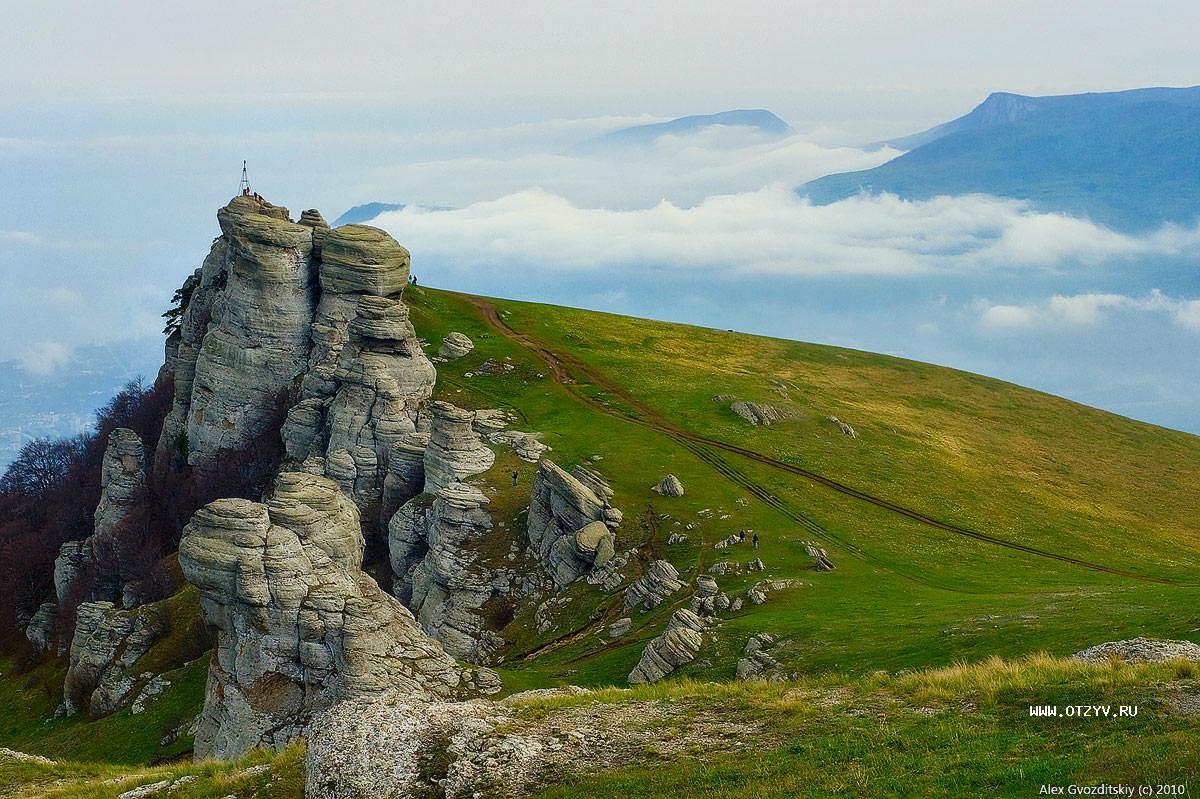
(821, 561)
(298, 623)
(845, 428)
(42, 630)
(455, 345)
(669, 486)
(563, 514)
(652, 588)
(755, 663)
(678, 645)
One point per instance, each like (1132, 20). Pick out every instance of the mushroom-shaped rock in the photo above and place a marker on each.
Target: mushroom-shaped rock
(455, 450)
(669, 486)
(362, 259)
(455, 345)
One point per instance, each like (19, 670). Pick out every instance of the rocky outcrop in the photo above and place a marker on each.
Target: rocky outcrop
(760, 413)
(383, 378)
(571, 521)
(107, 565)
(107, 644)
(652, 588)
(441, 572)
(677, 646)
(669, 486)
(455, 450)
(821, 561)
(298, 623)
(1140, 650)
(262, 276)
(455, 345)
(42, 630)
(755, 663)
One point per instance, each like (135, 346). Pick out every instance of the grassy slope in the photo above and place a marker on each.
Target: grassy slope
(988, 455)
(991, 456)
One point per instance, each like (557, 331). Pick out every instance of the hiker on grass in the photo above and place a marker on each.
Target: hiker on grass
(755, 541)
(741, 535)
(515, 476)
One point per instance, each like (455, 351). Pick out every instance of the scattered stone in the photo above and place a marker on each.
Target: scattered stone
(755, 565)
(1140, 650)
(821, 561)
(148, 694)
(845, 428)
(620, 627)
(724, 543)
(527, 446)
(756, 664)
(677, 538)
(152, 789)
(678, 645)
(724, 567)
(492, 367)
(652, 588)
(709, 599)
(669, 486)
(455, 345)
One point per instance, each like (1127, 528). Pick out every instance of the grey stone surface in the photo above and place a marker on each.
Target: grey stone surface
(298, 623)
(107, 643)
(455, 451)
(678, 645)
(1140, 650)
(447, 585)
(455, 345)
(669, 486)
(571, 522)
(652, 588)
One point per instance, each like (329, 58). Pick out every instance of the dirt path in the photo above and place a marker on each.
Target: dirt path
(573, 373)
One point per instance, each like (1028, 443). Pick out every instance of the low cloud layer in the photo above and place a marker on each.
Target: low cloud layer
(1084, 310)
(771, 231)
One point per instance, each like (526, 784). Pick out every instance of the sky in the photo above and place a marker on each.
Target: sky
(124, 125)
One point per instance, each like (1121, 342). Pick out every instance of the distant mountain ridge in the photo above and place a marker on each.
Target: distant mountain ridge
(1129, 159)
(366, 212)
(759, 119)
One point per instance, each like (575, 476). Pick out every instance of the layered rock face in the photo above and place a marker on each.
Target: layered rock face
(105, 566)
(678, 645)
(571, 522)
(252, 319)
(299, 625)
(455, 450)
(298, 323)
(106, 645)
(441, 574)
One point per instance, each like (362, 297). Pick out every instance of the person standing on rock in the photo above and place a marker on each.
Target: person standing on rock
(755, 541)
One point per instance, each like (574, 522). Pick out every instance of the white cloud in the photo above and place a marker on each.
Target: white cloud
(43, 358)
(771, 231)
(1083, 310)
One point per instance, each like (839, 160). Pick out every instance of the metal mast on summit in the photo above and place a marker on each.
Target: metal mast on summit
(244, 185)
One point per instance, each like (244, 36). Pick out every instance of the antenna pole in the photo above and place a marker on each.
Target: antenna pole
(244, 185)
